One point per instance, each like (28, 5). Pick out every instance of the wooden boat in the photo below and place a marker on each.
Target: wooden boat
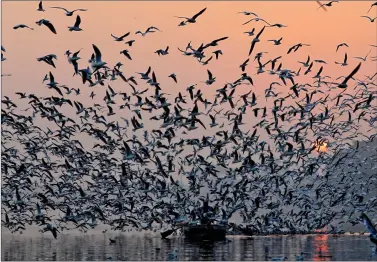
(205, 232)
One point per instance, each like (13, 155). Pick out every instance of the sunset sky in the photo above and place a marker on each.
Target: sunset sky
(322, 30)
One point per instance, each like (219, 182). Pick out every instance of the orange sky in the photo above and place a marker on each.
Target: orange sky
(306, 24)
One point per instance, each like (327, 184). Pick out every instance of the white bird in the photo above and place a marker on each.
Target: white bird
(119, 39)
(22, 26)
(46, 23)
(248, 13)
(97, 63)
(76, 26)
(40, 7)
(370, 19)
(344, 61)
(342, 44)
(363, 58)
(149, 30)
(276, 42)
(67, 12)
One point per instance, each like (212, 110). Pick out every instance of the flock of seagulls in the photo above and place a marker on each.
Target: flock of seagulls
(288, 170)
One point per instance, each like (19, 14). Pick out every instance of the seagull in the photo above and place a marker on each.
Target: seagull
(119, 39)
(76, 26)
(363, 58)
(370, 19)
(22, 26)
(276, 42)
(54, 84)
(211, 79)
(69, 13)
(163, 52)
(250, 33)
(46, 23)
(191, 20)
(257, 19)
(217, 53)
(40, 7)
(149, 30)
(342, 44)
(344, 61)
(73, 59)
(247, 13)
(129, 43)
(305, 64)
(214, 42)
(174, 77)
(328, 4)
(344, 83)
(126, 54)
(277, 25)
(97, 63)
(255, 40)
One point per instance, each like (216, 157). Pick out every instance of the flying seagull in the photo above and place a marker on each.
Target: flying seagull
(344, 83)
(68, 13)
(119, 39)
(46, 23)
(342, 44)
(76, 26)
(40, 7)
(191, 20)
(22, 26)
(370, 18)
(255, 40)
(328, 4)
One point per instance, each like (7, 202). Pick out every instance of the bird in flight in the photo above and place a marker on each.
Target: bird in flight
(40, 7)
(370, 18)
(328, 4)
(192, 19)
(67, 12)
(46, 23)
(344, 83)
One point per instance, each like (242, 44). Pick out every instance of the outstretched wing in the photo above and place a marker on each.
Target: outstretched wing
(50, 26)
(57, 7)
(198, 14)
(97, 52)
(78, 21)
(368, 224)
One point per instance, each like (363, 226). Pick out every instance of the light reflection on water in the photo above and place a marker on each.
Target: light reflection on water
(131, 247)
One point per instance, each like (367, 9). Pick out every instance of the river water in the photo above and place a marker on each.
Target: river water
(151, 247)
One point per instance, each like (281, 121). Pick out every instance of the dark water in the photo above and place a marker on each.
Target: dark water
(131, 247)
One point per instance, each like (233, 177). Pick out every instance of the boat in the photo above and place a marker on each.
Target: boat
(205, 232)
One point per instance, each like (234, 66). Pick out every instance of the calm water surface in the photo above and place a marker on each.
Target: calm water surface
(136, 247)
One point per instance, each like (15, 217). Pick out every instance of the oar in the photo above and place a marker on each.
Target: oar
(169, 232)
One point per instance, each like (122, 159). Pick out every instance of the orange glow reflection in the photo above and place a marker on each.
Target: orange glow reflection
(321, 251)
(321, 146)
